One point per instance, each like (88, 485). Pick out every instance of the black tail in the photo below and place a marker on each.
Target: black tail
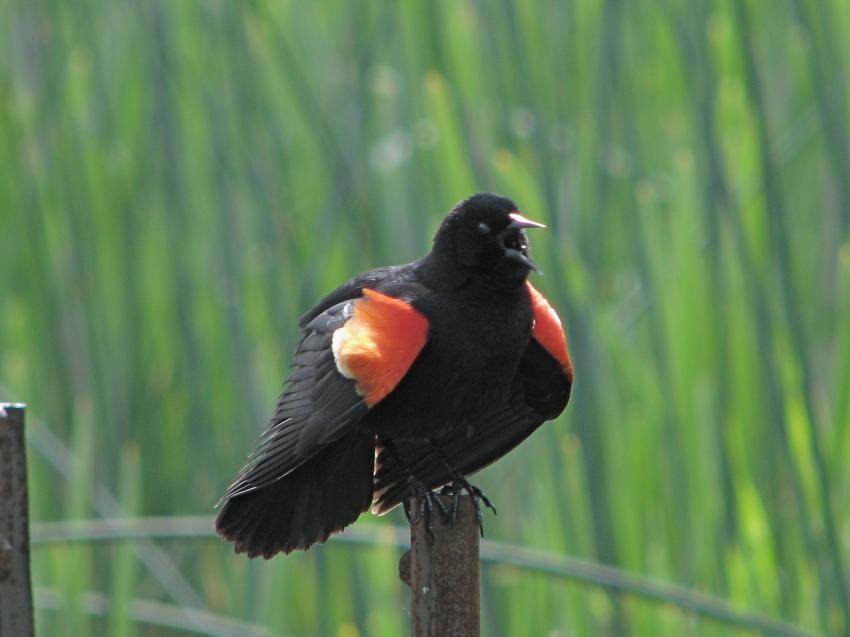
(322, 496)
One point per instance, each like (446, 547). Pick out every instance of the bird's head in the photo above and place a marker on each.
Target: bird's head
(485, 234)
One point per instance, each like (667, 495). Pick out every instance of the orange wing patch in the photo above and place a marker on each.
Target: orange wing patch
(379, 343)
(548, 330)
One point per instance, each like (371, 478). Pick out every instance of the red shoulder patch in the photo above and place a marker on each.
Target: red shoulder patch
(548, 330)
(379, 343)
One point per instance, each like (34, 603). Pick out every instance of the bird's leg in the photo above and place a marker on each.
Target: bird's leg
(457, 486)
(426, 497)
(427, 501)
(456, 489)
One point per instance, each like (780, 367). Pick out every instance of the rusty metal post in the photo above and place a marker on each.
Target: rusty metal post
(443, 574)
(15, 586)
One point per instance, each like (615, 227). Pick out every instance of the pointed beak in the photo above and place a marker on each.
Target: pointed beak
(518, 221)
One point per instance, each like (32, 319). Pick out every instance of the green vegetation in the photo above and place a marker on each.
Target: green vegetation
(179, 180)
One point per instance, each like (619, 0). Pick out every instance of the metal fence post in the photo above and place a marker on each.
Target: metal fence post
(443, 573)
(16, 615)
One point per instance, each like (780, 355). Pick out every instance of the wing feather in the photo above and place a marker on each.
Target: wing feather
(319, 404)
(316, 398)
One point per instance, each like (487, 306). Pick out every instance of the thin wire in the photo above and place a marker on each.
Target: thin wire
(495, 553)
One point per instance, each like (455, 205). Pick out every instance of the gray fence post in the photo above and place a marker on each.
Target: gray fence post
(16, 618)
(443, 573)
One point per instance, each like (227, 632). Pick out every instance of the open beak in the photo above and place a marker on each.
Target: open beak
(520, 222)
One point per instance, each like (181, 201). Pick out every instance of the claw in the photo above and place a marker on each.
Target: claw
(427, 500)
(456, 489)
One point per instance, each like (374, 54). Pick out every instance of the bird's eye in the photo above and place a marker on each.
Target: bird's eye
(483, 228)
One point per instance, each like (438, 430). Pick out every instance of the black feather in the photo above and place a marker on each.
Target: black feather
(306, 507)
(539, 390)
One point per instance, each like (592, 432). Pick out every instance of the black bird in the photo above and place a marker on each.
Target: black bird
(407, 378)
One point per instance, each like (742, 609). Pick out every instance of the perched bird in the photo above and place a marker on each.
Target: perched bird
(407, 378)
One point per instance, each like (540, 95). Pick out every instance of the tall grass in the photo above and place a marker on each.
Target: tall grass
(179, 181)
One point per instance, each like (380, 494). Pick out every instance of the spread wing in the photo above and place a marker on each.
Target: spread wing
(352, 355)
(539, 392)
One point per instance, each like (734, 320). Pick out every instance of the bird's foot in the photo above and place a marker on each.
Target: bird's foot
(427, 501)
(456, 489)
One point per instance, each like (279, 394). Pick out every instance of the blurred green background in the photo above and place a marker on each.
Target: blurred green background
(179, 180)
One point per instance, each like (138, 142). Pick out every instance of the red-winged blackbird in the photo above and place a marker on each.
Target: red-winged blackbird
(407, 378)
